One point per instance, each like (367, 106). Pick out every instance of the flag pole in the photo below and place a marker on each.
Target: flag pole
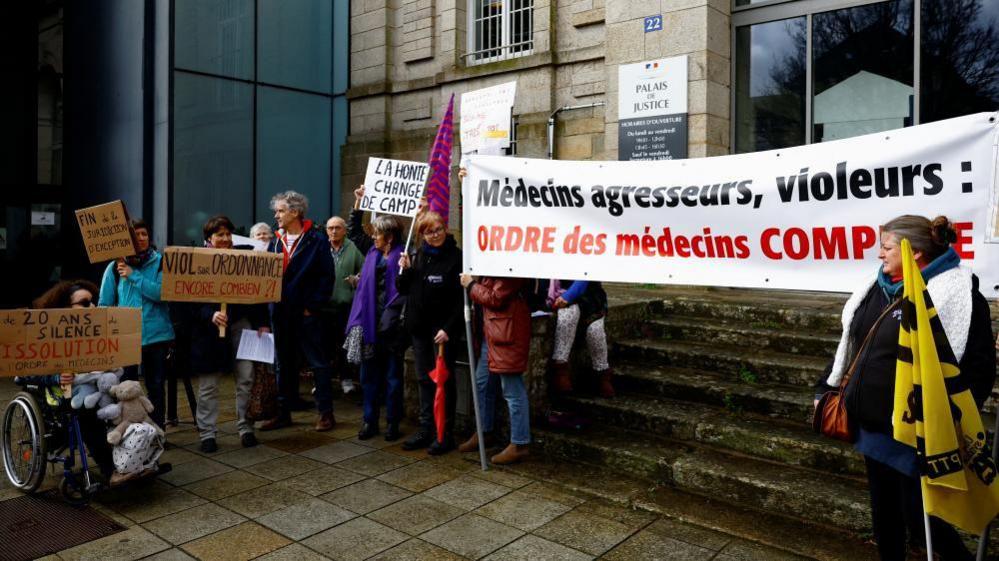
(983, 540)
(475, 385)
(929, 540)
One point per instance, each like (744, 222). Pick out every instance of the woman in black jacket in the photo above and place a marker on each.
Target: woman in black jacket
(893, 468)
(433, 317)
(212, 355)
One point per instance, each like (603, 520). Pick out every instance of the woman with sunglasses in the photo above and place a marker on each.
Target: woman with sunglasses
(433, 317)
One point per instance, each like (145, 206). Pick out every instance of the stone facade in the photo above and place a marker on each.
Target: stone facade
(408, 57)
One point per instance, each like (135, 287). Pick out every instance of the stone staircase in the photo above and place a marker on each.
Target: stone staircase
(715, 395)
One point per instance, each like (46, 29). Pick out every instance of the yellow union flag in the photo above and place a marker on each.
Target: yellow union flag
(936, 414)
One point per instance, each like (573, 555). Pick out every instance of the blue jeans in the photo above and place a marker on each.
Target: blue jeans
(515, 394)
(381, 379)
(301, 334)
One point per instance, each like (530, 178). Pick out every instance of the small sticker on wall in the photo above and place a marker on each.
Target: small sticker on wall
(42, 218)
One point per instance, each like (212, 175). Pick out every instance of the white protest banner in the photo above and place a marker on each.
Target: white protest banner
(484, 120)
(394, 186)
(798, 218)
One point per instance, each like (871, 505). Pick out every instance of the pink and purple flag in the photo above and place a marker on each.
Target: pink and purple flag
(439, 185)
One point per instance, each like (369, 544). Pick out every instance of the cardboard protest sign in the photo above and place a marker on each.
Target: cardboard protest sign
(196, 274)
(69, 340)
(107, 233)
(484, 121)
(394, 186)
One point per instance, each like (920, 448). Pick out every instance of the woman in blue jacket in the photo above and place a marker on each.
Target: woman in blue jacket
(134, 282)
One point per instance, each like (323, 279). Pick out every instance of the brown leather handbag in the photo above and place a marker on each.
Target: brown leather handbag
(830, 417)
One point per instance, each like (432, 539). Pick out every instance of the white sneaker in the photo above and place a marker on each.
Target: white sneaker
(347, 385)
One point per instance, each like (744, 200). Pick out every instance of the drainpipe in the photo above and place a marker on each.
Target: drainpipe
(554, 115)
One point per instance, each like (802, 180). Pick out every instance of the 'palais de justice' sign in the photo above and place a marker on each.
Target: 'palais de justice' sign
(652, 110)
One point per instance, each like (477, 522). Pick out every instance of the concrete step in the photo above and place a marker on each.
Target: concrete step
(701, 386)
(782, 442)
(737, 333)
(748, 482)
(820, 313)
(738, 363)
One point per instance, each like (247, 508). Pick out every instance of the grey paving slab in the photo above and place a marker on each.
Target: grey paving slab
(555, 493)
(245, 457)
(689, 533)
(743, 550)
(195, 470)
(238, 543)
(263, 500)
(293, 552)
(472, 536)
(467, 492)
(375, 463)
(134, 543)
(417, 550)
(501, 476)
(366, 496)
(584, 531)
(335, 452)
(193, 523)
(323, 480)
(650, 546)
(143, 507)
(355, 540)
(630, 517)
(419, 477)
(523, 510)
(306, 518)
(536, 549)
(170, 555)
(284, 467)
(416, 514)
(226, 485)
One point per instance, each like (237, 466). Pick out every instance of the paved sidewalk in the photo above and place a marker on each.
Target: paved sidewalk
(305, 495)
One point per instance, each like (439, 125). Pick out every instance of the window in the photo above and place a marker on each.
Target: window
(770, 85)
(850, 67)
(500, 29)
(258, 106)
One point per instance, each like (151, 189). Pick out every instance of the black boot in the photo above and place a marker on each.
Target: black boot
(421, 439)
(440, 447)
(392, 432)
(367, 431)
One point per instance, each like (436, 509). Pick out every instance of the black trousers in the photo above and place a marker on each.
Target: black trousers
(425, 359)
(897, 510)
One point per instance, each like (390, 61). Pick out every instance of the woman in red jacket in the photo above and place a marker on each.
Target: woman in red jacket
(507, 327)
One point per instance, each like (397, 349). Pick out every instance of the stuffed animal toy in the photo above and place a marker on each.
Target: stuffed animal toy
(134, 408)
(84, 386)
(90, 389)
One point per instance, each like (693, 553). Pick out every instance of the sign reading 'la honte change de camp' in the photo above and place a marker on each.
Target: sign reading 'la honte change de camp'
(196, 274)
(394, 186)
(69, 340)
(652, 110)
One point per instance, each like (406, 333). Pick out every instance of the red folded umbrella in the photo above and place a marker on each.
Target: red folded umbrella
(440, 375)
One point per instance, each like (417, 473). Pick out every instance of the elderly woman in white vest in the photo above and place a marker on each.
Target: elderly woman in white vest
(872, 314)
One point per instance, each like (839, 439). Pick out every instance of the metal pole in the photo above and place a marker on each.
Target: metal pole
(475, 385)
(983, 540)
(929, 540)
(554, 115)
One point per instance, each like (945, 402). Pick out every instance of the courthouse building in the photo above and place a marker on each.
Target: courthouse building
(187, 108)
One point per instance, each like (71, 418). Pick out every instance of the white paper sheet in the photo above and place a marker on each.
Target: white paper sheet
(253, 346)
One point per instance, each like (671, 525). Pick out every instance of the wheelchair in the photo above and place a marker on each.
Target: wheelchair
(34, 433)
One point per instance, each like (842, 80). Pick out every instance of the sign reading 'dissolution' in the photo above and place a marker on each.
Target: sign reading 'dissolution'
(394, 186)
(652, 110)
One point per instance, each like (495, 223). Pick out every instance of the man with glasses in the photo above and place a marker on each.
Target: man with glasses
(348, 260)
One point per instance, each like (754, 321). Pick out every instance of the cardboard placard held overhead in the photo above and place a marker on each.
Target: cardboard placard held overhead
(196, 274)
(69, 340)
(394, 186)
(107, 232)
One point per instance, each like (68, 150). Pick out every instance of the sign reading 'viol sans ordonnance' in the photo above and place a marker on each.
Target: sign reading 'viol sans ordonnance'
(652, 110)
